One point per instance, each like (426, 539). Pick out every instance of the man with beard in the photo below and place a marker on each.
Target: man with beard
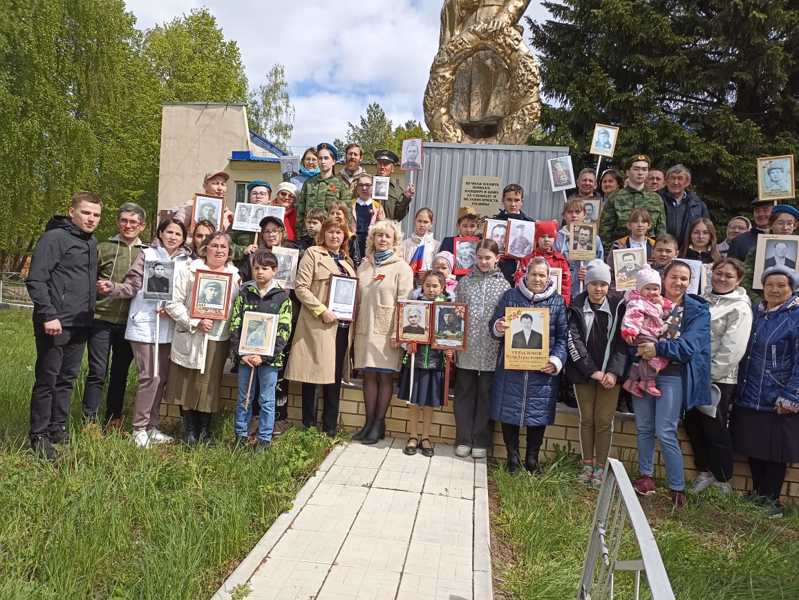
(353, 155)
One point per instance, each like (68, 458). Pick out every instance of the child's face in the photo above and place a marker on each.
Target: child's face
(486, 260)
(574, 215)
(512, 202)
(442, 266)
(423, 224)
(664, 253)
(638, 229)
(467, 227)
(431, 288)
(313, 226)
(650, 291)
(263, 275)
(546, 243)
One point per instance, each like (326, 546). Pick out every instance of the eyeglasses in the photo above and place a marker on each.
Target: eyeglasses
(129, 222)
(365, 185)
(259, 193)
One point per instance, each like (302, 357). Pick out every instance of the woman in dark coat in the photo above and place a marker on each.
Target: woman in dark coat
(527, 398)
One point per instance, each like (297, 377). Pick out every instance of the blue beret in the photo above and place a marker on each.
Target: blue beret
(325, 146)
(786, 209)
(258, 183)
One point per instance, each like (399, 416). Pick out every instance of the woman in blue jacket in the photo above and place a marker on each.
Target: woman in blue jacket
(684, 383)
(527, 398)
(766, 415)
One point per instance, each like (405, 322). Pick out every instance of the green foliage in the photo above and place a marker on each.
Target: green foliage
(269, 109)
(375, 131)
(709, 84)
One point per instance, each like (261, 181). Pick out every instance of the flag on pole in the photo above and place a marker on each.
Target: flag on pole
(417, 260)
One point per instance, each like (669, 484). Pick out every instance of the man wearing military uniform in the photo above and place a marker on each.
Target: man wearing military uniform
(322, 190)
(399, 200)
(621, 203)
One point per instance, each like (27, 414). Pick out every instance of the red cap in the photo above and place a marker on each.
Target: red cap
(548, 228)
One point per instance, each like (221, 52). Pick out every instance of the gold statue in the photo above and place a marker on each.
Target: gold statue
(483, 86)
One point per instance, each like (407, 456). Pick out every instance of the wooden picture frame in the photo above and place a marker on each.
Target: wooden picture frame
(450, 326)
(209, 208)
(210, 295)
(342, 296)
(520, 241)
(624, 271)
(465, 251)
(578, 250)
(491, 231)
(561, 173)
(287, 261)
(258, 334)
(603, 141)
(413, 321)
(768, 251)
(596, 210)
(776, 178)
(159, 280)
(526, 348)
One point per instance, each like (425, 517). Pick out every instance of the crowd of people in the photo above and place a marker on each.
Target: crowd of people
(727, 367)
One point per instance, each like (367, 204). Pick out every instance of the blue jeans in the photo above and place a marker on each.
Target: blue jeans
(659, 417)
(267, 380)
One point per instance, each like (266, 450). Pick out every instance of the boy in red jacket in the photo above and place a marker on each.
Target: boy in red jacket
(545, 234)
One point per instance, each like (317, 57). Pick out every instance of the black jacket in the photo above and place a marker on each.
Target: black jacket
(744, 243)
(679, 217)
(580, 365)
(62, 279)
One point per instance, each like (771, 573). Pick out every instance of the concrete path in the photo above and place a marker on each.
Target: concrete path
(372, 524)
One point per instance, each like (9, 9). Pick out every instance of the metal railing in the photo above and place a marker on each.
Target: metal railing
(621, 530)
(13, 290)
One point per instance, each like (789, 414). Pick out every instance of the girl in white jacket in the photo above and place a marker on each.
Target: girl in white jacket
(420, 248)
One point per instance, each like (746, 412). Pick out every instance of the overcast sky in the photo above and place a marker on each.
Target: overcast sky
(339, 56)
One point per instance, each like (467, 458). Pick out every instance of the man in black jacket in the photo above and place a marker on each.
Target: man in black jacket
(682, 207)
(61, 284)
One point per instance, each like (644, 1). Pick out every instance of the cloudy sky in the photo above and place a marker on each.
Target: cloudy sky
(339, 56)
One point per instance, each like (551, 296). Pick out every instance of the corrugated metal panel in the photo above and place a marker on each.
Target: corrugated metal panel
(439, 184)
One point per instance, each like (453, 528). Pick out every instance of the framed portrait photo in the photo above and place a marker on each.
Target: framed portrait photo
(521, 238)
(497, 230)
(380, 187)
(159, 278)
(287, 261)
(603, 142)
(248, 216)
(210, 296)
(413, 321)
(341, 297)
(450, 320)
(592, 210)
(258, 334)
(772, 251)
(289, 165)
(526, 338)
(626, 264)
(582, 241)
(411, 155)
(556, 277)
(465, 254)
(775, 178)
(561, 173)
(208, 208)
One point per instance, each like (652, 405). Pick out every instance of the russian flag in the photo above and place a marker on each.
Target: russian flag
(417, 260)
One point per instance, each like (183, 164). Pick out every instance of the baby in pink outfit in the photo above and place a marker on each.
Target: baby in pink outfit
(643, 322)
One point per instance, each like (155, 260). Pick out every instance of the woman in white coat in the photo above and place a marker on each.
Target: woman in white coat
(200, 346)
(169, 245)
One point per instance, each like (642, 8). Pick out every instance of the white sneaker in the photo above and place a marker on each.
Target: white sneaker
(479, 452)
(703, 481)
(722, 487)
(586, 475)
(141, 438)
(159, 437)
(462, 451)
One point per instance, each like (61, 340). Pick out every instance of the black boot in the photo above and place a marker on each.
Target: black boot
(373, 435)
(382, 432)
(531, 461)
(361, 433)
(190, 427)
(514, 463)
(204, 435)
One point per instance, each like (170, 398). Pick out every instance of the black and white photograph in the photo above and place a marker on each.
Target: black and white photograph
(774, 251)
(556, 277)
(247, 217)
(287, 261)
(775, 178)
(465, 254)
(450, 319)
(582, 241)
(603, 142)
(341, 301)
(258, 334)
(497, 230)
(695, 286)
(591, 211)
(411, 155)
(208, 208)
(380, 187)
(289, 165)
(158, 279)
(626, 264)
(561, 173)
(413, 321)
(521, 237)
(211, 295)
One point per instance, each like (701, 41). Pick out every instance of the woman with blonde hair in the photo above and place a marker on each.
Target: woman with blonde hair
(383, 278)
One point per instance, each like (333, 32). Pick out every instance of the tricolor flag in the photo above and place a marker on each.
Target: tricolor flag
(417, 260)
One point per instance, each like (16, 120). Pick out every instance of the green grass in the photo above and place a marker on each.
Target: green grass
(109, 520)
(717, 548)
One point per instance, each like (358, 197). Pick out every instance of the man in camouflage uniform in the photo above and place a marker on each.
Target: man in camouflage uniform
(621, 203)
(399, 200)
(322, 190)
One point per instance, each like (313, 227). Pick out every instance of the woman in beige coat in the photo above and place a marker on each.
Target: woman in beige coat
(321, 342)
(383, 278)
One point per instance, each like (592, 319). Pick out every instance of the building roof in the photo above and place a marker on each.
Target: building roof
(262, 144)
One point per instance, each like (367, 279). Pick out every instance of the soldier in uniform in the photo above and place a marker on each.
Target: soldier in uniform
(322, 190)
(399, 200)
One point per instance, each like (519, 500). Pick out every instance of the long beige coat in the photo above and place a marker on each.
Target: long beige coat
(312, 355)
(379, 288)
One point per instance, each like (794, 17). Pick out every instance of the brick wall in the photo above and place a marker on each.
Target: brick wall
(563, 434)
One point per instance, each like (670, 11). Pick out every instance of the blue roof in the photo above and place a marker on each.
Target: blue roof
(247, 155)
(262, 142)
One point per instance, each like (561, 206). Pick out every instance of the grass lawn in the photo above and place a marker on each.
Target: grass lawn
(717, 548)
(109, 520)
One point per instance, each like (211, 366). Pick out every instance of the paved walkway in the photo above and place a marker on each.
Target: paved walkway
(372, 524)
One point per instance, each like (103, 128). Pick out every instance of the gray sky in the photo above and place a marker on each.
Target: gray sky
(339, 56)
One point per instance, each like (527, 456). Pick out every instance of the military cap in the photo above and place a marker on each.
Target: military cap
(258, 183)
(766, 201)
(386, 155)
(466, 211)
(211, 174)
(271, 219)
(638, 158)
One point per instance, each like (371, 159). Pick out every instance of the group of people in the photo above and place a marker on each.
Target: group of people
(678, 356)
